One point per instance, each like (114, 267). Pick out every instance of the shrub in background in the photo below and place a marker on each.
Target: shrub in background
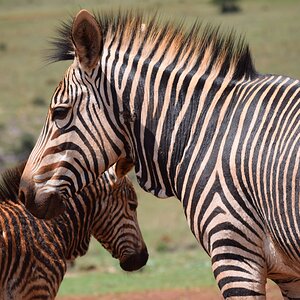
(227, 6)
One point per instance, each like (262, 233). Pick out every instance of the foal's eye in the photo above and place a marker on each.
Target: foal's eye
(133, 206)
(60, 112)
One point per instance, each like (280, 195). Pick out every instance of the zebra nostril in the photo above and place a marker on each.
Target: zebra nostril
(26, 195)
(22, 196)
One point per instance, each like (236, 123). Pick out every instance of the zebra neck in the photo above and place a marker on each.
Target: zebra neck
(73, 228)
(175, 111)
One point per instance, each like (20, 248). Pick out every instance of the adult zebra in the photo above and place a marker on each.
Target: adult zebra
(34, 252)
(200, 124)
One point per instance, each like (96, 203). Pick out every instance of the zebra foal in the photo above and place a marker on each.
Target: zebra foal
(34, 252)
(200, 124)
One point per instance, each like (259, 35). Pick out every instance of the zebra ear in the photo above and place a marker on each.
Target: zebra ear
(87, 39)
(123, 166)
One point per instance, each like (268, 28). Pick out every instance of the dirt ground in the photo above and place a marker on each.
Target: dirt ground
(174, 294)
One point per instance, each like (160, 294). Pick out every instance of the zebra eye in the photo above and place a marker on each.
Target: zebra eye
(60, 112)
(133, 206)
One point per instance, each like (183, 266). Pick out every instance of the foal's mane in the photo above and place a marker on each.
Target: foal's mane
(10, 182)
(193, 43)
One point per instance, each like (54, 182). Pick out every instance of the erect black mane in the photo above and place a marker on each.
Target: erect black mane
(195, 41)
(10, 182)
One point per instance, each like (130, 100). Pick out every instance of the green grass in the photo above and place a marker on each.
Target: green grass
(270, 27)
(180, 269)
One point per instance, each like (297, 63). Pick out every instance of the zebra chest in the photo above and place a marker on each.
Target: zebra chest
(279, 264)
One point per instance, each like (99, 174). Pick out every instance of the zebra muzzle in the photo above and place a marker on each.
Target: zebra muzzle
(42, 204)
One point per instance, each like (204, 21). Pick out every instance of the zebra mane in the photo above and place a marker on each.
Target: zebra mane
(10, 182)
(229, 48)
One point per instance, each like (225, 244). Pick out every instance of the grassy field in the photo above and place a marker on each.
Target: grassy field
(271, 28)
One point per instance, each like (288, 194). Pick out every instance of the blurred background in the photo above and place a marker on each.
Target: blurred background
(272, 29)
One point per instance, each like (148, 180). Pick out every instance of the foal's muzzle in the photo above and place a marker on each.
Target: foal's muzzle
(135, 261)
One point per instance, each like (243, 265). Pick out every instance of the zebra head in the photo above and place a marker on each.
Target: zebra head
(77, 143)
(116, 225)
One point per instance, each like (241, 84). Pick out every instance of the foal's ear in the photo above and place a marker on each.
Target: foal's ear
(123, 166)
(87, 39)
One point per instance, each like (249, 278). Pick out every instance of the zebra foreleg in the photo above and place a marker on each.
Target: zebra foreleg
(235, 244)
(239, 277)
